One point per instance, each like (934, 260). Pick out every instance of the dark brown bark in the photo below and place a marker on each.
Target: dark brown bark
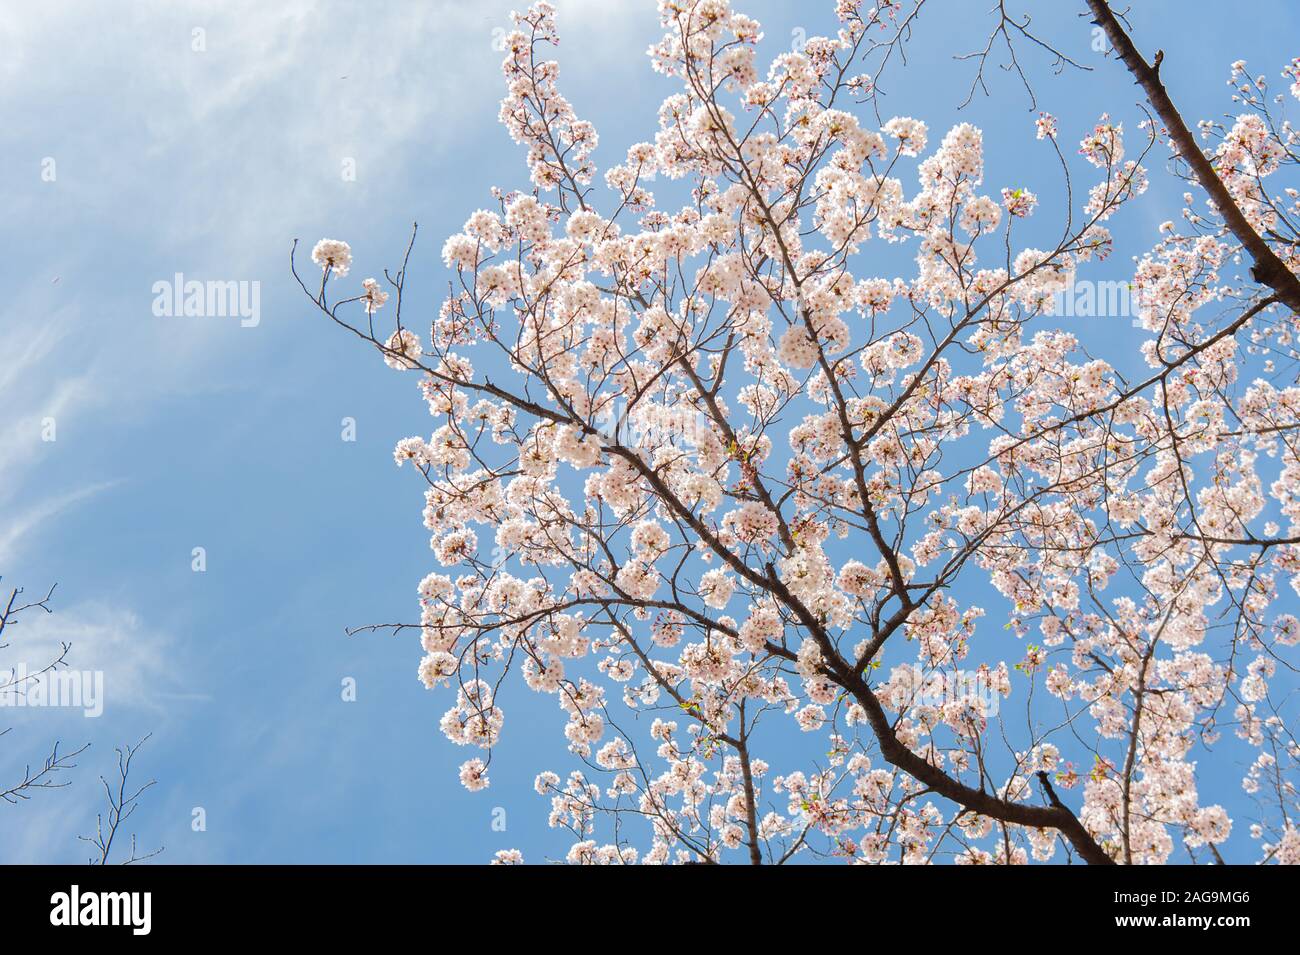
(1268, 269)
(1056, 816)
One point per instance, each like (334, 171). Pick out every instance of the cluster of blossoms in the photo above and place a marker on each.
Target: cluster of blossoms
(722, 477)
(333, 255)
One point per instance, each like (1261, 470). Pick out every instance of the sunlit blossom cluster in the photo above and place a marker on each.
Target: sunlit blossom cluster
(696, 469)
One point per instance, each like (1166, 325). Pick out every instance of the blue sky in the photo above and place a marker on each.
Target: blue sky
(176, 433)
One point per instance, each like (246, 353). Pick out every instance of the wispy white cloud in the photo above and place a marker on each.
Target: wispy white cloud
(39, 387)
(44, 509)
(30, 391)
(209, 172)
(135, 659)
(205, 162)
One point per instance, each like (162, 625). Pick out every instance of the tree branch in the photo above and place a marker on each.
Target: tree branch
(1268, 269)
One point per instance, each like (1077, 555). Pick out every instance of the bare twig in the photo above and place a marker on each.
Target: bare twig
(122, 803)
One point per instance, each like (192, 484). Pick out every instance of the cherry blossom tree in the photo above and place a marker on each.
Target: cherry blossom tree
(705, 476)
